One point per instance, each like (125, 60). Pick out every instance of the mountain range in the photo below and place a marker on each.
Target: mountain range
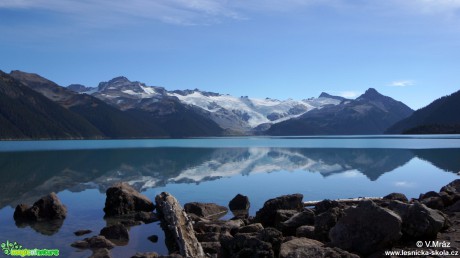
(34, 107)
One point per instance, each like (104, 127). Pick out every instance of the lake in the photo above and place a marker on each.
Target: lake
(209, 170)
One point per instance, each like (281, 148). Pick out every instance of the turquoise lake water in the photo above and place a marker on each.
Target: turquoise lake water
(209, 170)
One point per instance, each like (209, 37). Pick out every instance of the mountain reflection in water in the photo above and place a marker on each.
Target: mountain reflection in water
(26, 175)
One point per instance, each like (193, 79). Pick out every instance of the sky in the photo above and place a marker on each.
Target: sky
(406, 49)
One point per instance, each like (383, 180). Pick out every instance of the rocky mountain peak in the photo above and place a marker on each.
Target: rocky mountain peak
(120, 83)
(119, 79)
(329, 96)
(371, 94)
(78, 88)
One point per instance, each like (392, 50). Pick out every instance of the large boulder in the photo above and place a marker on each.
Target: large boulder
(418, 221)
(366, 229)
(123, 199)
(266, 215)
(325, 221)
(178, 227)
(47, 208)
(205, 210)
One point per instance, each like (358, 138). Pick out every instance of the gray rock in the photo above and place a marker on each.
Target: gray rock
(366, 229)
(326, 205)
(306, 217)
(205, 210)
(145, 255)
(452, 187)
(455, 207)
(208, 237)
(283, 215)
(246, 245)
(123, 199)
(325, 221)
(47, 208)
(304, 247)
(429, 195)
(253, 228)
(239, 203)
(146, 217)
(396, 196)
(177, 226)
(116, 233)
(448, 199)
(272, 236)
(94, 243)
(305, 231)
(297, 246)
(419, 221)
(433, 202)
(212, 248)
(267, 213)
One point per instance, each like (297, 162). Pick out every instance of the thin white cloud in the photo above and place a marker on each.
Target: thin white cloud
(183, 12)
(402, 83)
(445, 7)
(189, 12)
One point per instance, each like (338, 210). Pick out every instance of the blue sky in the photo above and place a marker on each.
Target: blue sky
(406, 49)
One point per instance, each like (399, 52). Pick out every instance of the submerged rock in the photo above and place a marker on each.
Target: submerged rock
(116, 233)
(82, 232)
(123, 199)
(101, 253)
(94, 243)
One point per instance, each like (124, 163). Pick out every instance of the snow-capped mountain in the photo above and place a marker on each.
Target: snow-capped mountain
(234, 114)
(243, 112)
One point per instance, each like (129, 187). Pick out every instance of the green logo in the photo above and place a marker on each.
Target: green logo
(8, 247)
(15, 249)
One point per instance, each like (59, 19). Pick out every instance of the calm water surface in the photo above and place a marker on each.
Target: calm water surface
(209, 170)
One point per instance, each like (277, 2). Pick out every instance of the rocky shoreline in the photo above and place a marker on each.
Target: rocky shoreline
(428, 226)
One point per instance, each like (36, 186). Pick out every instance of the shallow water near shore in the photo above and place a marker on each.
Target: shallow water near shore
(209, 170)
